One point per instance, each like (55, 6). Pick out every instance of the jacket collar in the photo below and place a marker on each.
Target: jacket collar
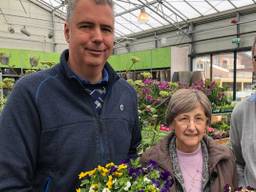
(161, 155)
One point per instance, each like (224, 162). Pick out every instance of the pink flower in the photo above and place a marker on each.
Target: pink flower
(210, 129)
(163, 85)
(149, 98)
(146, 91)
(147, 81)
(164, 128)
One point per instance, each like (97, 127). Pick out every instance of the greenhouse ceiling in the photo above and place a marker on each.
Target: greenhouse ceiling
(160, 13)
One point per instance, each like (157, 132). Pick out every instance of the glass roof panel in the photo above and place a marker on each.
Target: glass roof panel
(242, 3)
(222, 5)
(162, 12)
(203, 7)
(186, 9)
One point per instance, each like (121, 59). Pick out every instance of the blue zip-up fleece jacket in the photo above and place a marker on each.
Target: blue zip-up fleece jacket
(50, 130)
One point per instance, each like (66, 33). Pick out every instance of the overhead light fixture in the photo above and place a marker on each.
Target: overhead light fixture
(143, 16)
(11, 29)
(25, 31)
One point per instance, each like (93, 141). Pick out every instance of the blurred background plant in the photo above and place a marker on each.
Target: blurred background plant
(215, 93)
(6, 86)
(153, 98)
(2, 103)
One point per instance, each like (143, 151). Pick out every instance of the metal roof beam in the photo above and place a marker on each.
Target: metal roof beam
(49, 8)
(23, 7)
(193, 8)
(129, 2)
(177, 27)
(176, 10)
(130, 21)
(163, 4)
(125, 27)
(212, 6)
(232, 4)
(5, 19)
(136, 8)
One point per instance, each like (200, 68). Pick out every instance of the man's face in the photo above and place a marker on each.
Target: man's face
(90, 34)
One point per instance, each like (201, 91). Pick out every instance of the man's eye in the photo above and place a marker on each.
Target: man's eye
(106, 29)
(84, 26)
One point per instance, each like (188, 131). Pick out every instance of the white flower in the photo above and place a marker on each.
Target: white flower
(146, 180)
(92, 189)
(106, 190)
(128, 185)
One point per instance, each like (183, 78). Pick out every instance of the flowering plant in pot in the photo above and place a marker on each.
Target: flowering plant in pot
(130, 176)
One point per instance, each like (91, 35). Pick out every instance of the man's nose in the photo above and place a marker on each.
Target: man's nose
(97, 35)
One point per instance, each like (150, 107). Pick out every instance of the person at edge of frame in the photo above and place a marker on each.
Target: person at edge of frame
(243, 134)
(72, 117)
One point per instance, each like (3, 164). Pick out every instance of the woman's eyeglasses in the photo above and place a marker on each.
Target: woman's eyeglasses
(185, 121)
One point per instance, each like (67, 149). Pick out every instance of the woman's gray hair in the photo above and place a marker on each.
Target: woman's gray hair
(185, 100)
(72, 3)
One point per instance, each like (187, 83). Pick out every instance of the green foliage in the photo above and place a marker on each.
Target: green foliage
(223, 126)
(2, 103)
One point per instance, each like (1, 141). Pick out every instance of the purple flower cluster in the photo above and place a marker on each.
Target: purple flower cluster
(164, 182)
(213, 90)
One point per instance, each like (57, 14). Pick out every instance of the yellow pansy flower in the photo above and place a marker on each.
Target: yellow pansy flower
(110, 165)
(110, 182)
(87, 173)
(117, 174)
(122, 166)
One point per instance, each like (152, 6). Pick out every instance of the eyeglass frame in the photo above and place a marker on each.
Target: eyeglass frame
(188, 120)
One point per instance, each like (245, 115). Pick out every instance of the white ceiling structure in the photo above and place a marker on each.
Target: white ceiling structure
(161, 12)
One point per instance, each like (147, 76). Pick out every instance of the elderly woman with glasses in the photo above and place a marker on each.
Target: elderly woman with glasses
(196, 162)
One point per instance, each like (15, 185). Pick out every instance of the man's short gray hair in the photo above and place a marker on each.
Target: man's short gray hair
(186, 100)
(72, 3)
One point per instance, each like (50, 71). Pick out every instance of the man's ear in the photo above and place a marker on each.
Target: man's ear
(66, 31)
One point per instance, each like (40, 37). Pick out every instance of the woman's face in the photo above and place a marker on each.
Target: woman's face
(189, 129)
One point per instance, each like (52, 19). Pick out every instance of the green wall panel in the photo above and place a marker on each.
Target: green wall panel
(150, 59)
(21, 58)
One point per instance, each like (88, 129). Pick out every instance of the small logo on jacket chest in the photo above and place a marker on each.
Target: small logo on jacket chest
(121, 107)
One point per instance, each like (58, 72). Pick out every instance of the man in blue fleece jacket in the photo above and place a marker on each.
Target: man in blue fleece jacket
(72, 117)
